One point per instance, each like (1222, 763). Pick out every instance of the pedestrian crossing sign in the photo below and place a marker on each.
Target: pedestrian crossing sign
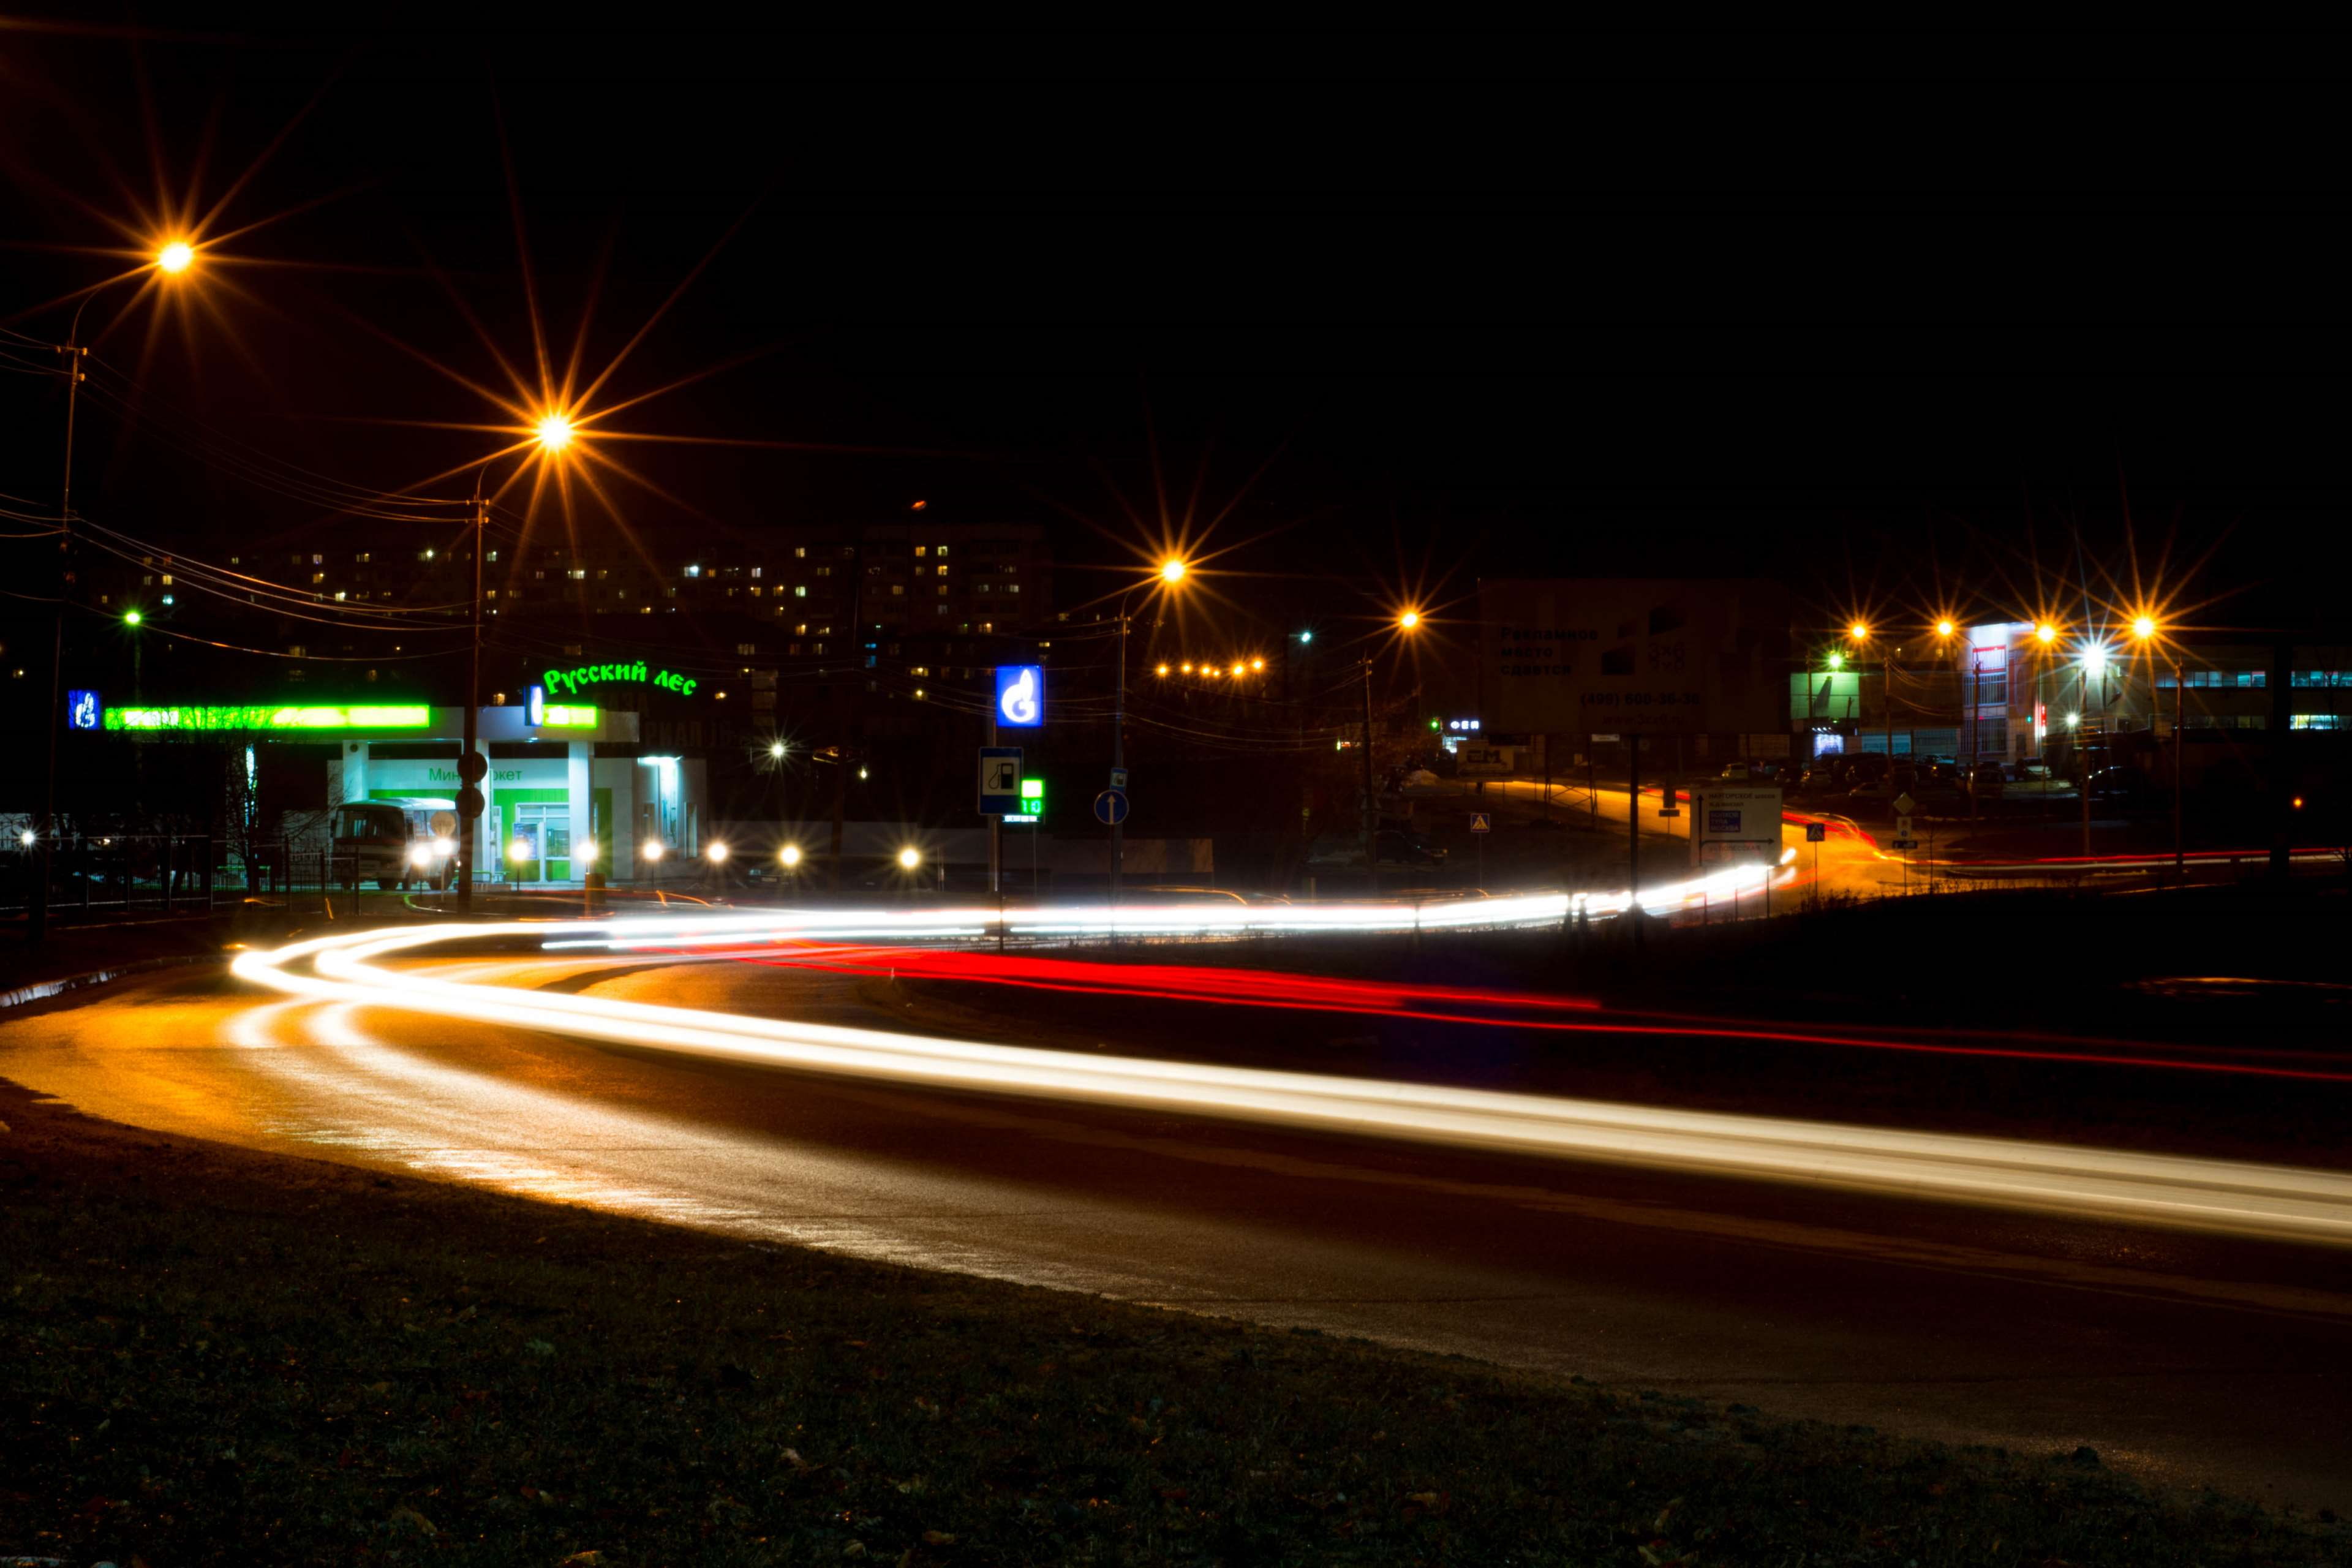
(1482, 822)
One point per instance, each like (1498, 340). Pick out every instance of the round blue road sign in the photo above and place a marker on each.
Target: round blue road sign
(1110, 807)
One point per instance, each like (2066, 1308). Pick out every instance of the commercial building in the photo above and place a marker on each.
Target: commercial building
(568, 788)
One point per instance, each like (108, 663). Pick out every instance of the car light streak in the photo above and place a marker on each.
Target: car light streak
(2203, 1195)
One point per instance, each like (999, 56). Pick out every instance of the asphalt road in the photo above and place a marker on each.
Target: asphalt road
(2197, 1358)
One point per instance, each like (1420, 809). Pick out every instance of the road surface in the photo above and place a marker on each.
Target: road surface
(2216, 1359)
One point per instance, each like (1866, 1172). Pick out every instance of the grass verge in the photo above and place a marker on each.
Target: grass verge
(210, 1355)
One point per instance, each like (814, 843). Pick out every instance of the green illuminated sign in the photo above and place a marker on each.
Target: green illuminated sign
(1034, 789)
(616, 675)
(569, 716)
(417, 717)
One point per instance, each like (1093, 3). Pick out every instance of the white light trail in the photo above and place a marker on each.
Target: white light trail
(2202, 1195)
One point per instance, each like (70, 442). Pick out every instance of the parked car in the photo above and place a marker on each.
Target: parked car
(1987, 779)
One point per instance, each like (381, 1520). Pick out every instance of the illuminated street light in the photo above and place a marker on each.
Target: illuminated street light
(2094, 661)
(1945, 627)
(652, 852)
(131, 617)
(718, 853)
(519, 851)
(1172, 571)
(1257, 664)
(776, 749)
(177, 257)
(790, 855)
(909, 858)
(1163, 669)
(1837, 661)
(861, 770)
(553, 433)
(1307, 637)
(1859, 632)
(2045, 634)
(25, 839)
(2144, 628)
(1409, 620)
(587, 853)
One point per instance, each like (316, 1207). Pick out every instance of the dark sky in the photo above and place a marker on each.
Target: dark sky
(1417, 308)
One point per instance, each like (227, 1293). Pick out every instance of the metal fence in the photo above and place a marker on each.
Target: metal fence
(103, 877)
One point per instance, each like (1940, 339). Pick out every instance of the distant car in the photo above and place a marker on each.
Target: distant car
(372, 841)
(1987, 779)
(1391, 846)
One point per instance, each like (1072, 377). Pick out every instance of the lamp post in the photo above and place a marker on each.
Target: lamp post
(2144, 631)
(173, 258)
(1409, 622)
(550, 434)
(2094, 662)
(1171, 572)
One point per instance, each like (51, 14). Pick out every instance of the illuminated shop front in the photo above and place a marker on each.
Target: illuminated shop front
(567, 789)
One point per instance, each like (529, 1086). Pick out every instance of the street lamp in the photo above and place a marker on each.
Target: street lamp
(790, 855)
(550, 432)
(2145, 631)
(2094, 666)
(173, 258)
(1407, 622)
(717, 852)
(1172, 571)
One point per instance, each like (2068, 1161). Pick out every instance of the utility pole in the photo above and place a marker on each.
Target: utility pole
(2082, 751)
(470, 792)
(1633, 830)
(36, 914)
(1371, 864)
(1119, 754)
(842, 705)
(2179, 857)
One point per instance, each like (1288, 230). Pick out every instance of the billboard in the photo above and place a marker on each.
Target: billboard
(1644, 656)
(1735, 824)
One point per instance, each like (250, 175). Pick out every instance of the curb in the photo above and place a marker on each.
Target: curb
(42, 990)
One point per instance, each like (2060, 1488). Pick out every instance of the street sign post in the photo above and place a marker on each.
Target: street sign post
(1110, 807)
(1816, 831)
(1482, 822)
(1000, 781)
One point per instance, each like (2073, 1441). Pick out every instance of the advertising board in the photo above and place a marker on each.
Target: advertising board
(1648, 656)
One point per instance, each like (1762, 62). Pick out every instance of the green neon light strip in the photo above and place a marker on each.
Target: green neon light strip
(569, 716)
(262, 718)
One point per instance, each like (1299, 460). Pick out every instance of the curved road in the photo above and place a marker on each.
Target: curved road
(2197, 1358)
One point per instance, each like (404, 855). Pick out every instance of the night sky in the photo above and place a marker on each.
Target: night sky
(1407, 311)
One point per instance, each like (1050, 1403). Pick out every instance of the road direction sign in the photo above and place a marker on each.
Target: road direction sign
(1816, 831)
(1110, 807)
(1905, 805)
(1482, 822)
(1000, 781)
(1906, 843)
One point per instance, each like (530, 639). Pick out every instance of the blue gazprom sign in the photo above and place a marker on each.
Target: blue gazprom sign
(1021, 695)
